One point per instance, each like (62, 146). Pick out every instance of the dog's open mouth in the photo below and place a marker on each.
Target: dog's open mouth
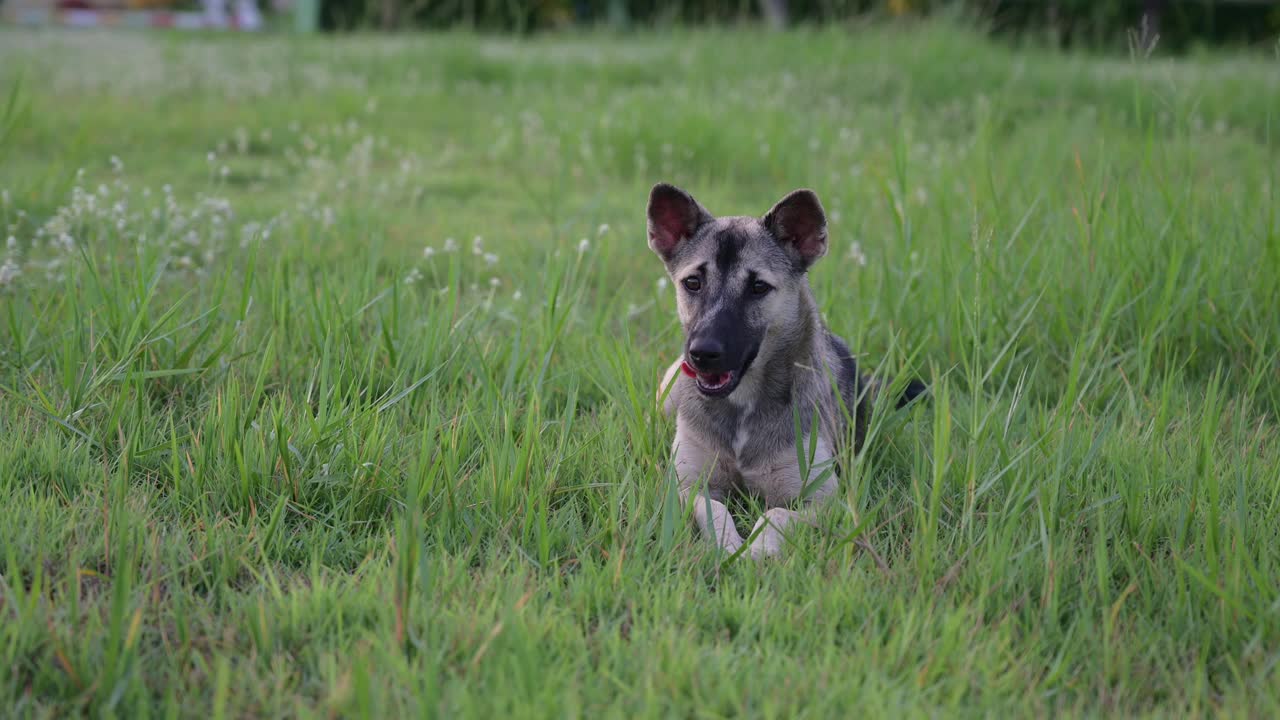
(716, 384)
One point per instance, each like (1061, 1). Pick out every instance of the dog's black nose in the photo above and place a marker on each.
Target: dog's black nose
(705, 353)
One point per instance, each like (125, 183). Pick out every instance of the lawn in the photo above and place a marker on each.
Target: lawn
(327, 371)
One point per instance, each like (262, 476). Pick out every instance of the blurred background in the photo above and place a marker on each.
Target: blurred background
(1180, 24)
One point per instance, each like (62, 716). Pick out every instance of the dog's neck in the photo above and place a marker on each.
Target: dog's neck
(801, 354)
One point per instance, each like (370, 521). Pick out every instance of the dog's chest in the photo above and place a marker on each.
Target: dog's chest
(763, 454)
(741, 439)
(762, 444)
(766, 464)
(737, 434)
(742, 432)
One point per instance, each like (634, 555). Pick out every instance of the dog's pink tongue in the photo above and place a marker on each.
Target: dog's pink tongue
(710, 379)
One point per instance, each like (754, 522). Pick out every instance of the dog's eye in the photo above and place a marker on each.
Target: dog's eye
(692, 284)
(760, 287)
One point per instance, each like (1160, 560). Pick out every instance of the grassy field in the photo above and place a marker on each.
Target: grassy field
(326, 373)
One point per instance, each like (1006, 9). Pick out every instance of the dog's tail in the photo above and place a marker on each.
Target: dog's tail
(916, 388)
(873, 387)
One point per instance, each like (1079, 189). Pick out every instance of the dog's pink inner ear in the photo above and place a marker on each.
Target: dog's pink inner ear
(673, 216)
(799, 221)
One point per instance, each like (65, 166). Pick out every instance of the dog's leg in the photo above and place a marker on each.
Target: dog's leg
(714, 521)
(668, 380)
(695, 465)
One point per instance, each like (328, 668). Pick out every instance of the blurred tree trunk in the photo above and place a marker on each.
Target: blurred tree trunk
(775, 12)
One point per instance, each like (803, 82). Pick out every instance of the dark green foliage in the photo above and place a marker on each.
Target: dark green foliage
(1179, 24)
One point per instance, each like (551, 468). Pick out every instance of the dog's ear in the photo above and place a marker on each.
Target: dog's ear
(798, 223)
(674, 216)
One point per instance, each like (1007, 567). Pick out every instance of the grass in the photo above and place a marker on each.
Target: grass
(262, 452)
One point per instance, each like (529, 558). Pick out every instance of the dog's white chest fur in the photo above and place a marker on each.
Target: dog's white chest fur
(742, 436)
(740, 440)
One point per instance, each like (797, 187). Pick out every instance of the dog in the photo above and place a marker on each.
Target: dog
(758, 364)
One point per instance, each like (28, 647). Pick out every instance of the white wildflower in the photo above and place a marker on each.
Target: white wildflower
(450, 245)
(224, 171)
(490, 259)
(211, 158)
(494, 282)
(662, 284)
(427, 252)
(414, 276)
(477, 245)
(116, 166)
(9, 271)
(11, 244)
(856, 254)
(604, 228)
(517, 295)
(583, 245)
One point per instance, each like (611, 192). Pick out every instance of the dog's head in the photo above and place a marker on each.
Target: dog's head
(740, 281)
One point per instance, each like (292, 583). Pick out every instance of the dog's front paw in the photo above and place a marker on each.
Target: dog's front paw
(729, 542)
(768, 539)
(730, 546)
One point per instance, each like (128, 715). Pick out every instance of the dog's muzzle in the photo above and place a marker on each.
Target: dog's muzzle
(710, 369)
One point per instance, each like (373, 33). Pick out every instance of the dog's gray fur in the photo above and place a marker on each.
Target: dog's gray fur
(746, 439)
